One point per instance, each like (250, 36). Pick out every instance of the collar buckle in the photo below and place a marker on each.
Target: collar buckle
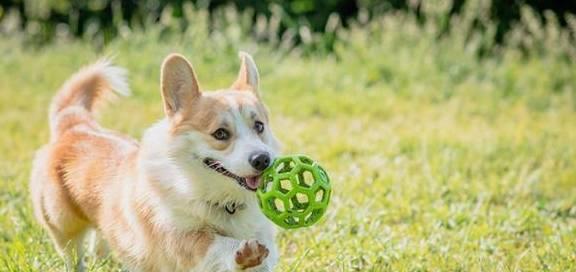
(231, 207)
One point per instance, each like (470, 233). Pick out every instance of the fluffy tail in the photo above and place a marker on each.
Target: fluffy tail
(83, 92)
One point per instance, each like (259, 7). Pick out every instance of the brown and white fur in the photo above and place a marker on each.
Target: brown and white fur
(161, 204)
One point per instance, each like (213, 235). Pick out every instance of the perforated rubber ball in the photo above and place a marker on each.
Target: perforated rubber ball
(295, 192)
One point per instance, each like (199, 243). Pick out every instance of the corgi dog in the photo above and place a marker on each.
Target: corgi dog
(181, 199)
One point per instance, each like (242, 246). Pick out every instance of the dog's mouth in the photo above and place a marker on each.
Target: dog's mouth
(250, 183)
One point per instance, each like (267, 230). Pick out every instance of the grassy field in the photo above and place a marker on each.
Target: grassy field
(440, 162)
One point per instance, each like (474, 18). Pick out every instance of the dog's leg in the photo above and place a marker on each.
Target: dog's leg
(97, 246)
(56, 214)
(272, 259)
(65, 228)
(70, 248)
(68, 233)
(77, 252)
(228, 254)
(252, 255)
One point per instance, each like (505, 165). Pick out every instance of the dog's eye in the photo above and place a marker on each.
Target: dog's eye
(259, 127)
(221, 134)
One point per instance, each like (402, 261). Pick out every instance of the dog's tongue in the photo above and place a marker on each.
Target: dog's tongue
(253, 182)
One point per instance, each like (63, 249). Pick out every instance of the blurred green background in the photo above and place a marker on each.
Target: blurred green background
(300, 21)
(448, 127)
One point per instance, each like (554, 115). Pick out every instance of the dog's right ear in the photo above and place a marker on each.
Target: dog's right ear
(179, 84)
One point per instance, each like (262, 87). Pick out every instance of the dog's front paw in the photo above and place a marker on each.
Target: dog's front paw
(250, 254)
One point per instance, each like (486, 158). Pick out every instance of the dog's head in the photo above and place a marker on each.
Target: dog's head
(222, 138)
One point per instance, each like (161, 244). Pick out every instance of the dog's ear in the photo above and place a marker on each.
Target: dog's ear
(248, 78)
(179, 84)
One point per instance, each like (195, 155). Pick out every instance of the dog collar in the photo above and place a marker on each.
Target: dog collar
(230, 207)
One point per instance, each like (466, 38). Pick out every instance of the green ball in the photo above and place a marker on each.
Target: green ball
(295, 192)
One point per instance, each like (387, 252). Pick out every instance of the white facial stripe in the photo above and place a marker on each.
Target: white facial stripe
(242, 130)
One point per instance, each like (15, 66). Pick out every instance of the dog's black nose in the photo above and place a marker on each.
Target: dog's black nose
(260, 160)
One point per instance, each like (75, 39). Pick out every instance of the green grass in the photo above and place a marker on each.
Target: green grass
(440, 162)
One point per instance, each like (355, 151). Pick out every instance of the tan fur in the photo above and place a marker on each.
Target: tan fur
(88, 177)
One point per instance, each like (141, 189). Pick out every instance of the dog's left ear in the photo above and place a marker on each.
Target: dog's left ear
(248, 78)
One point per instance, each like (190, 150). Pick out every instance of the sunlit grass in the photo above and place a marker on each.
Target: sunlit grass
(440, 162)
